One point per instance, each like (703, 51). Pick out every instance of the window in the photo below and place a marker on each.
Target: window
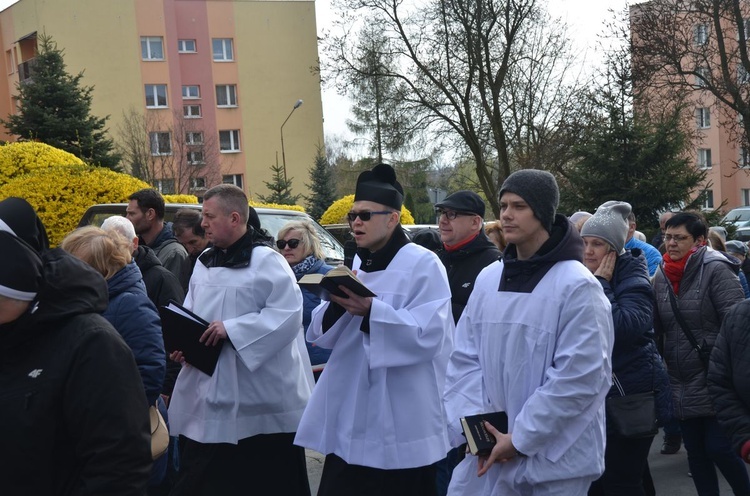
(165, 186)
(195, 158)
(707, 199)
(700, 34)
(194, 138)
(197, 183)
(191, 92)
(704, 158)
(161, 143)
(222, 48)
(745, 194)
(191, 111)
(156, 96)
(186, 46)
(152, 48)
(235, 179)
(229, 141)
(746, 26)
(742, 75)
(703, 117)
(9, 61)
(744, 159)
(226, 95)
(701, 76)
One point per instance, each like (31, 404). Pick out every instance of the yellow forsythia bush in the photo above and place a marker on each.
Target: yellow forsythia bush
(61, 194)
(277, 206)
(180, 199)
(17, 159)
(336, 213)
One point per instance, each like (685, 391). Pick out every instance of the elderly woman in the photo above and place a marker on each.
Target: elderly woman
(130, 311)
(635, 360)
(298, 243)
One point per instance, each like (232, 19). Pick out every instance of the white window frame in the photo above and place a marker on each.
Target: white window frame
(703, 117)
(704, 158)
(226, 52)
(182, 46)
(743, 77)
(191, 111)
(700, 34)
(708, 199)
(154, 90)
(233, 139)
(743, 160)
(156, 139)
(229, 93)
(191, 92)
(235, 179)
(194, 138)
(196, 157)
(165, 186)
(701, 82)
(147, 50)
(197, 183)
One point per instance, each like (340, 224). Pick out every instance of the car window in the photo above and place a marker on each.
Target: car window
(738, 215)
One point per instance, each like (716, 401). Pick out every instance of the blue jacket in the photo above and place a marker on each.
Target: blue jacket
(635, 360)
(134, 316)
(317, 354)
(653, 256)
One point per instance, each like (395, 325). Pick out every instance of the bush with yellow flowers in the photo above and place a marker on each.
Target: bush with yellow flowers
(336, 213)
(277, 206)
(17, 159)
(61, 194)
(180, 199)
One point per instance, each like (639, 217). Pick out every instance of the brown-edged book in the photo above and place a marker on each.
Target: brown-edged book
(478, 438)
(182, 329)
(324, 285)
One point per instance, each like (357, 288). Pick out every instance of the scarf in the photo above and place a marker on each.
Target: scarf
(461, 244)
(304, 266)
(675, 270)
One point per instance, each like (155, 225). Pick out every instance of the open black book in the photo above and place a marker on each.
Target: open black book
(325, 285)
(478, 438)
(182, 329)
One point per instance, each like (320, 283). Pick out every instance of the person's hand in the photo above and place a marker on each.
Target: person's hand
(354, 304)
(607, 267)
(501, 452)
(176, 356)
(214, 334)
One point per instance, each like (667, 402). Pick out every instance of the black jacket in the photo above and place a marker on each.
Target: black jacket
(463, 267)
(161, 285)
(73, 414)
(729, 374)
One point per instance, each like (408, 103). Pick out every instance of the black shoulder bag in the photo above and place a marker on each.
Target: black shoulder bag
(632, 415)
(703, 351)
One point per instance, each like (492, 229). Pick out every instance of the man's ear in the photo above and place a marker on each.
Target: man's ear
(150, 214)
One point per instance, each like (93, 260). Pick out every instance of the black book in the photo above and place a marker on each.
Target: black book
(478, 438)
(324, 285)
(182, 330)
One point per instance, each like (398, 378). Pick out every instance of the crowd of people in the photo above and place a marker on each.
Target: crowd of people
(549, 319)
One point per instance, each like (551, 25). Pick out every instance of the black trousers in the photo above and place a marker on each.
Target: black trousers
(262, 464)
(342, 479)
(625, 461)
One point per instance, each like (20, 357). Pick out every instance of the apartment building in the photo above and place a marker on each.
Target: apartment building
(206, 84)
(678, 42)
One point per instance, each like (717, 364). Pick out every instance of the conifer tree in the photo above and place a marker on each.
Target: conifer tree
(280, 188)
(321, 185)
(55, 109)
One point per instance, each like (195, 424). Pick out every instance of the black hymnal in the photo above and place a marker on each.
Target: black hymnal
(182, 330)
(325, 285)
(478, 438)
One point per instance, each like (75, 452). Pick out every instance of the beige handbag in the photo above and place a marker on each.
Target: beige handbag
(159, 433)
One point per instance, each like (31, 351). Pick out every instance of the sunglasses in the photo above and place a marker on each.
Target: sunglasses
(293, 243)
(365, 216)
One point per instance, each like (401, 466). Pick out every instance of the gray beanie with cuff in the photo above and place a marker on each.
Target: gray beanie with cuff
(610, 223)
(537, 188)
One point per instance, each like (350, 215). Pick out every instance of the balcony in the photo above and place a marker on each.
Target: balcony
(26, 70)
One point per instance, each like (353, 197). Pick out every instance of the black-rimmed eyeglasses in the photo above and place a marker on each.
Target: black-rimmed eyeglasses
(365, 216)
(293, 243)
(450, 214)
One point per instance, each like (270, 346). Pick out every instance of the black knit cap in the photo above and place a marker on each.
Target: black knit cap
(22, 239)
(463, 201)
(21, 220)
(539, 189)
(379, 185)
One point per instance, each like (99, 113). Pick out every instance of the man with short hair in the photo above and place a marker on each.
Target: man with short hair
(658, 239)
(146, 211)
(466, 249)
(535, 341)
(376, 412)
(239, 423)
(653, 257)
(188, 231)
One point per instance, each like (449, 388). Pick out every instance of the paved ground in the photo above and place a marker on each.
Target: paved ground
(670, 472)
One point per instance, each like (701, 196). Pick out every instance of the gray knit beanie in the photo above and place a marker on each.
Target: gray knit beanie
(610, 223)
(539, 189)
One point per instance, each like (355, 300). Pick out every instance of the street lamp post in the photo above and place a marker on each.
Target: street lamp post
(283, 155)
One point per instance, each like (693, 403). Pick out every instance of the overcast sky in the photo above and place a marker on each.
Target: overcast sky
(586, 19)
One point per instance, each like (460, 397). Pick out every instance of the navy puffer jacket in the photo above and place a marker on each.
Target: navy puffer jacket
(310, 300)
(635, 360)
(134, 316)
